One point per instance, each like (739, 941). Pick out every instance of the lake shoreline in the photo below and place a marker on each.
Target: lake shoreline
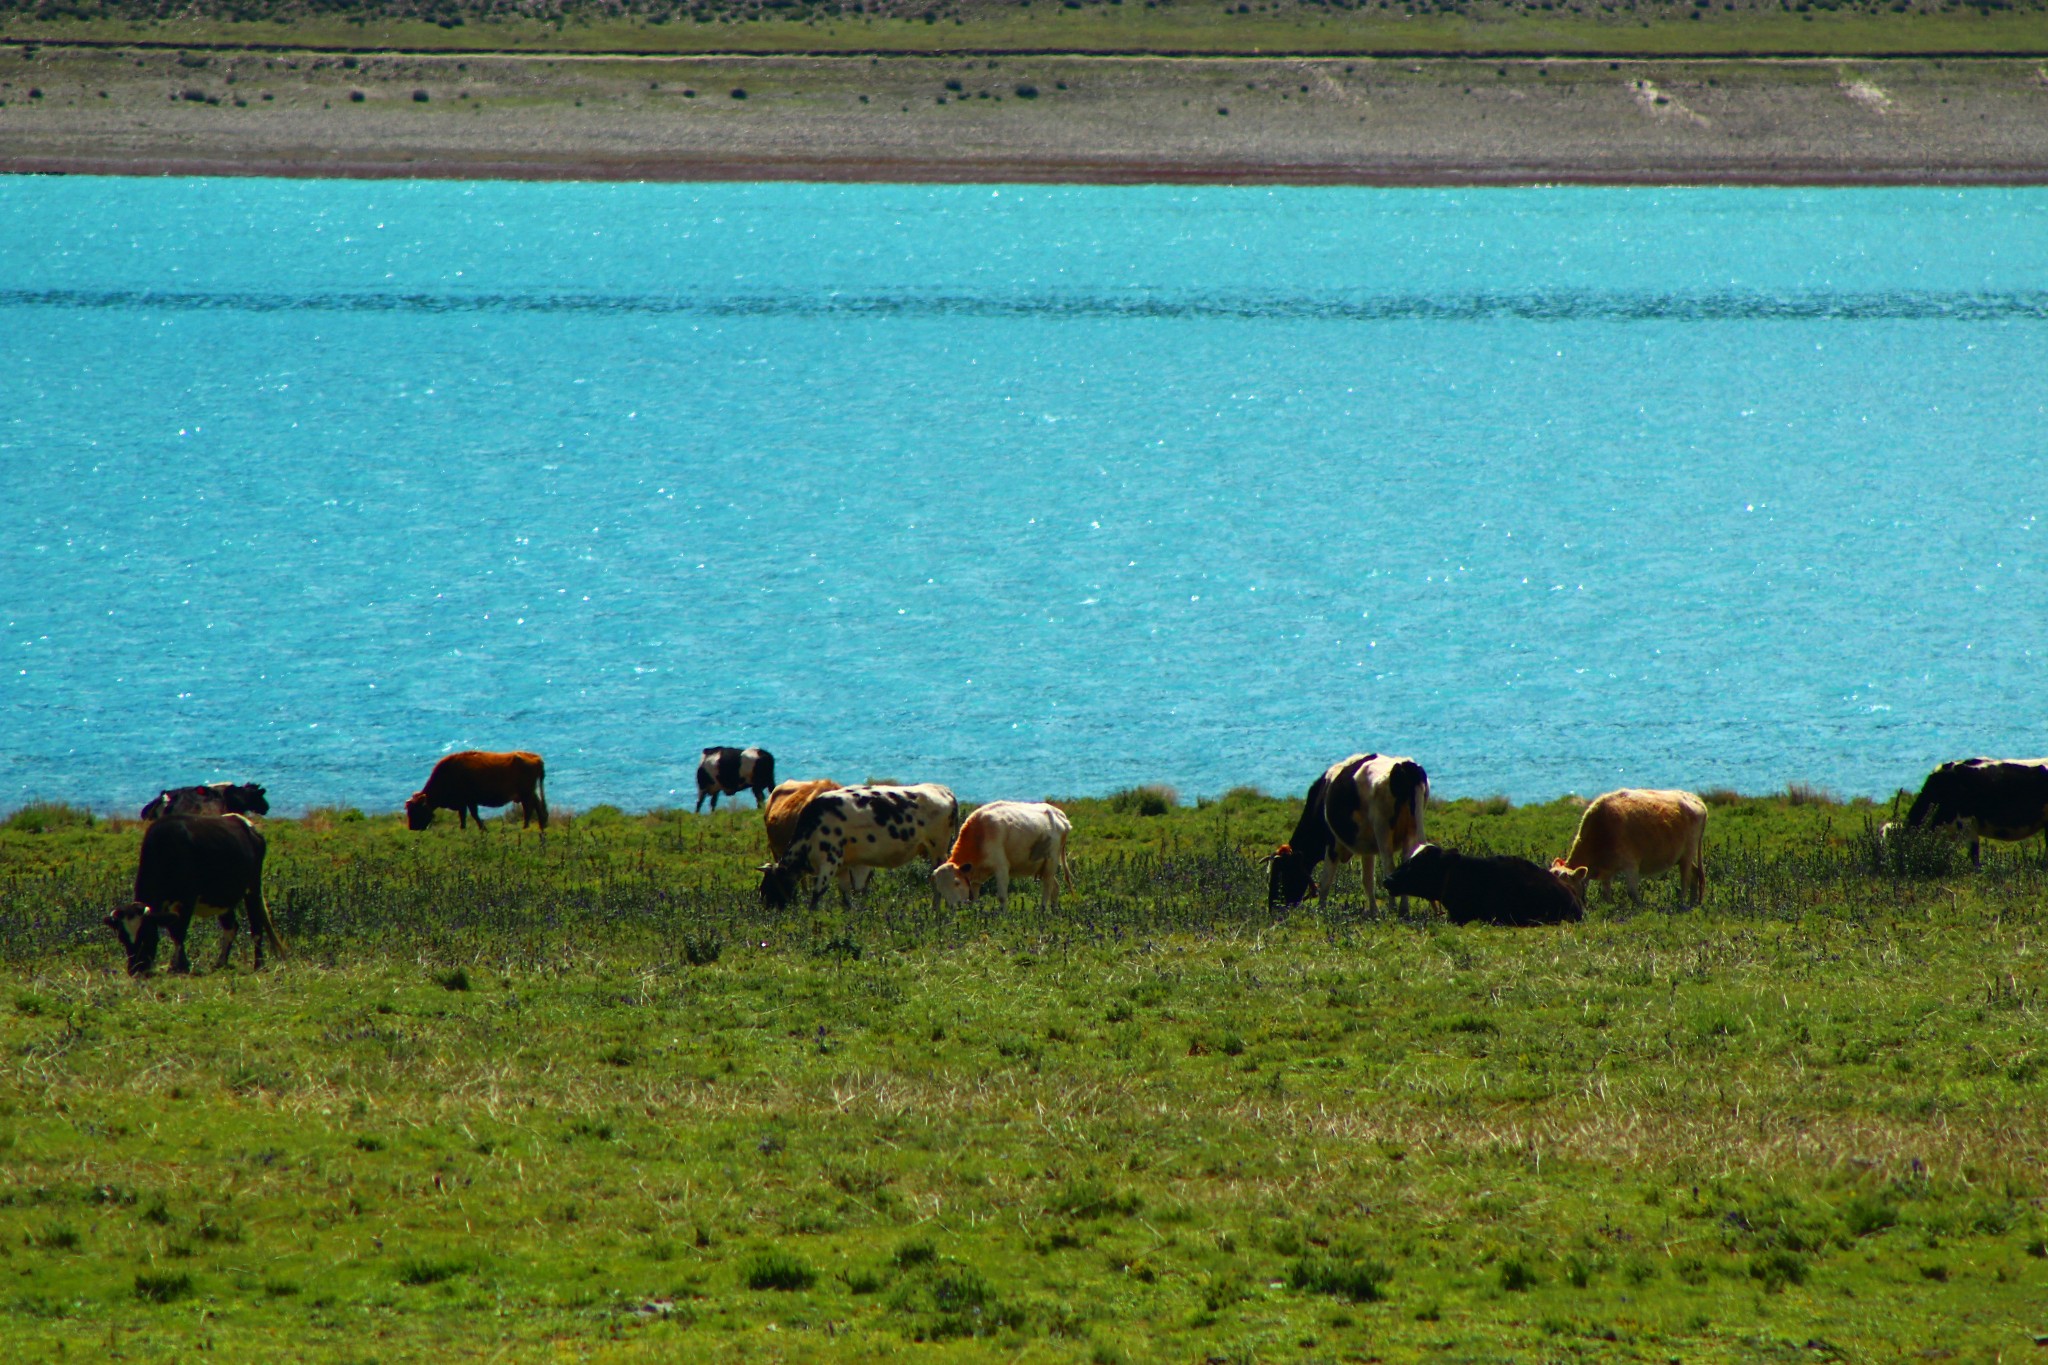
(1453, 122)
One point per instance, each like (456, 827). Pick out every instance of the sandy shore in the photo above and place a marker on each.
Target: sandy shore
(1108, 120)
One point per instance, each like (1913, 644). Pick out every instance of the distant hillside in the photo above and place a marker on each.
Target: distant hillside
(1648, 27)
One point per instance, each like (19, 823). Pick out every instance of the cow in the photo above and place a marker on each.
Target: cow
(785, 805)
(464, 781)
(1983, 798)
(1638, 833)
(1473, 890)
(860, 827)
(726, 771)
(189, 862)
(215, 798)
(1004, 839)
(1369, 806)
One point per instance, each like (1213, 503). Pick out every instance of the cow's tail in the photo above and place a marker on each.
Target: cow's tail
(266, 925)
(540, 798)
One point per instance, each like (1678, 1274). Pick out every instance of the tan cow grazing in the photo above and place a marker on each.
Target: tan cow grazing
(463, 782)
(1638, 834)
(1004, 839)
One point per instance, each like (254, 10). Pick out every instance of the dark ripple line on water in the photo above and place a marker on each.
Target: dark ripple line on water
(1543, 306)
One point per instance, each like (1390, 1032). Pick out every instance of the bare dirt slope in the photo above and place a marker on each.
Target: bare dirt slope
(1337, 120)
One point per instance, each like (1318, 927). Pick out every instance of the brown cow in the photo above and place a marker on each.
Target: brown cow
(462, 782)
(1639, 833)
(785, 804)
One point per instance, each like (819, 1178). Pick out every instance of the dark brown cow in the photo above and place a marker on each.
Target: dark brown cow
(215, 798)
(463, 782)
(190, 861)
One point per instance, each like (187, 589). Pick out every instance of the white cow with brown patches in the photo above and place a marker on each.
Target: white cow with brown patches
(1006, 839)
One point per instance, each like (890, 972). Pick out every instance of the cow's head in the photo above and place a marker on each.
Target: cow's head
(419, 812)
(1421, 875)
(1288, 875)
(250, 797)
(954, 883)
(1572, 879)
(134, 926)
(778, 886)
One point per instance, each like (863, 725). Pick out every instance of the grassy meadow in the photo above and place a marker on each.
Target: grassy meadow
(510, 1100)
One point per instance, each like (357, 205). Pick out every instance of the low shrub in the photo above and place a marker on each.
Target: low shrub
(152, 1288)
(1774, 1270)
(1153, 799)
(418, 1272)
(1358, 1281)
(44, 817)
(777, 1269)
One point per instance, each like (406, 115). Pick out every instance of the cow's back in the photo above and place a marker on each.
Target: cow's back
(785, 808)
(1020, 836)
(1650, 830)
(214, 858)
(1505, 890)
(475, 776)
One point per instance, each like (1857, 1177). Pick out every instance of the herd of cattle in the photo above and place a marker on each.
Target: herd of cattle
(201, 850)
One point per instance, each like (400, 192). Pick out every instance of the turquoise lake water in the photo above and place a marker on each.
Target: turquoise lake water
(1027, 490)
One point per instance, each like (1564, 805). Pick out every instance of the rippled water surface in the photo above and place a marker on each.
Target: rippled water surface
(1029, 490)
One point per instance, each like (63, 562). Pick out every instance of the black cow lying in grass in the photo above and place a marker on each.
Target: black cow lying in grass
(1503, 890)
(190, 861)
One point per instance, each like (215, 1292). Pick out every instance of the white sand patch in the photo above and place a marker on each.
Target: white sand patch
(1657, 104)
(1867, 95)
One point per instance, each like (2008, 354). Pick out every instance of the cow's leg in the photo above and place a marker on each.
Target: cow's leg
(476, 813)
(1326, 877)
(1003, 890)
(1049, 886)
(1632, 878)
(1976, 854)
(179, 918)
(700, 801)
(229, 927)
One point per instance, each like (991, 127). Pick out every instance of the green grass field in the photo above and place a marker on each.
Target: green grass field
(585, 1101)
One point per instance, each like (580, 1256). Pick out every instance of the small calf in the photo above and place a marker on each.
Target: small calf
(1004, 839)
(1500, 890)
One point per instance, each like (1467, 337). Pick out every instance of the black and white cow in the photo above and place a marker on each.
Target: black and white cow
(215, 798)
(726, 771)
(1367, 806)
(189, 862)
(1472, 890)
(856, 827)
(1983, 798)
